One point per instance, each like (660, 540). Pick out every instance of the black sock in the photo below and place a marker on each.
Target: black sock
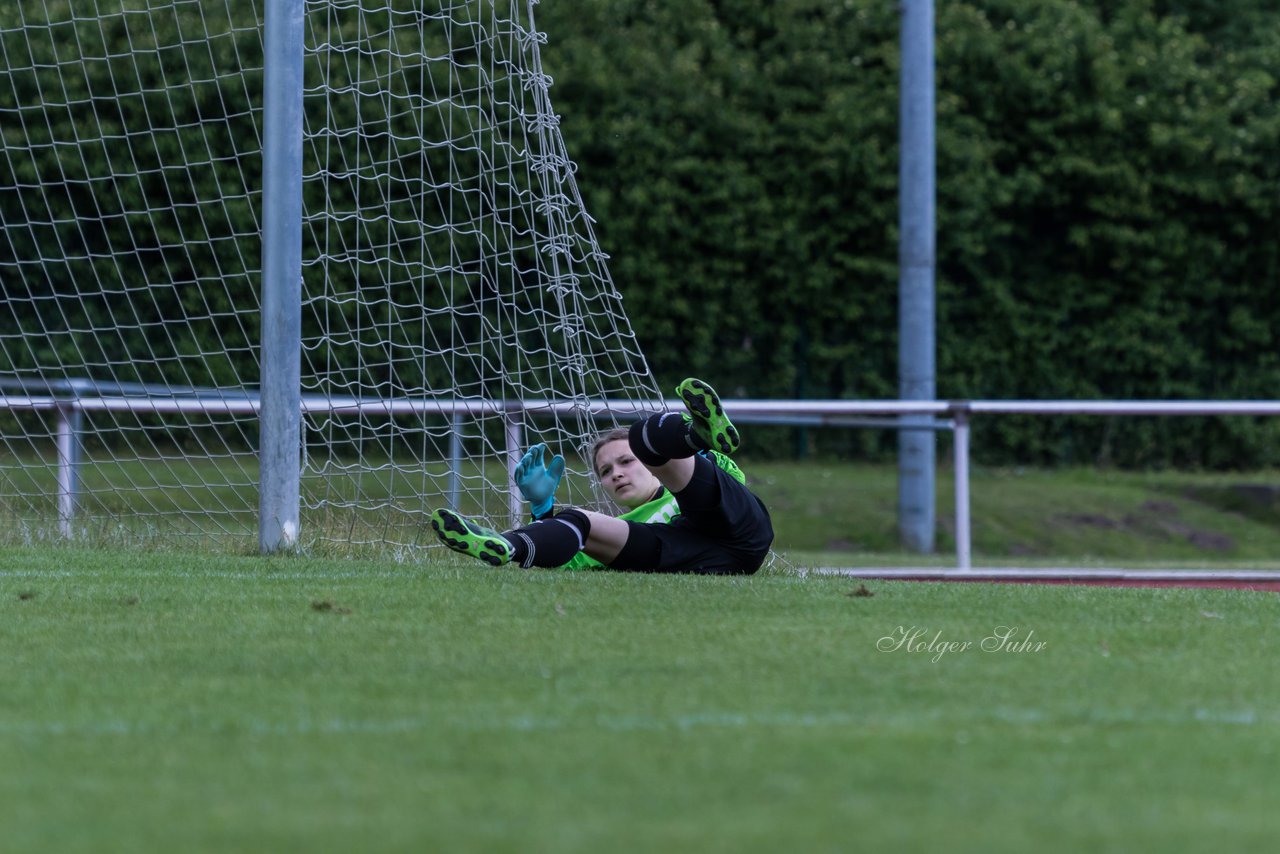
(550, 542)
(662, 437)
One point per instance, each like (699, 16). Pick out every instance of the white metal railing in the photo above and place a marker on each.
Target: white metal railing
(954, 415)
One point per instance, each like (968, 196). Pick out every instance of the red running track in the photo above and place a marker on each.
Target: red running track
(1268, 581)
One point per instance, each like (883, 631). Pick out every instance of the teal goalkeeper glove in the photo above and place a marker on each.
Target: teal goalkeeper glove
(538, 481)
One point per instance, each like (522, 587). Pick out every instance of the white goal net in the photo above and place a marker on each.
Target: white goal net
(456, 304)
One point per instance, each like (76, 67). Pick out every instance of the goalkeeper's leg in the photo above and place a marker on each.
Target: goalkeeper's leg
(546, 543)
(709, 421)
(673, 436)
(666, 442)
(471, 538)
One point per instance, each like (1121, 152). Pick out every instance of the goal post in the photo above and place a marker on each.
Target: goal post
(331, 291)
(280, 419)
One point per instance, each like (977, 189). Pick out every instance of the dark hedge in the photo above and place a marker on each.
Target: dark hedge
(1107, 203)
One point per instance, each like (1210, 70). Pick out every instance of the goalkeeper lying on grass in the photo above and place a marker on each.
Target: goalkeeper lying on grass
(689, 509)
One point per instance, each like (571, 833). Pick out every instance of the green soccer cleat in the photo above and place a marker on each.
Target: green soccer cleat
(471, 539)
(709, 421)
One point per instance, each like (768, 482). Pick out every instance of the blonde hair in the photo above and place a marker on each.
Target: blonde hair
(617, 434)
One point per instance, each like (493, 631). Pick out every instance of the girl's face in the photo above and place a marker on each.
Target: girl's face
(624, 477)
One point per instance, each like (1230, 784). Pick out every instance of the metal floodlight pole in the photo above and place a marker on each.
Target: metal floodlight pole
(916, 259)
(280, 419)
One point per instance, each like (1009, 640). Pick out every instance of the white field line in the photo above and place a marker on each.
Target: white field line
(876, 573)
(1083, 717)
(1057, 573)
(403, 572)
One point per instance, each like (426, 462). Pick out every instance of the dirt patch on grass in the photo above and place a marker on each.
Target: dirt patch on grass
(1259, 502)
(1088, 520)
(1159, 519)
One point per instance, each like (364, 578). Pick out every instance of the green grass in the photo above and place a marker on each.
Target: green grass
(165, 702)
(845, 514)
(212, 503)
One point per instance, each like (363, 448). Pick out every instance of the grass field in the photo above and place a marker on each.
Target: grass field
(168, 702)
(847, 512)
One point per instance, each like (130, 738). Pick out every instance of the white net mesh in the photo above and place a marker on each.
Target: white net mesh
(451, 278)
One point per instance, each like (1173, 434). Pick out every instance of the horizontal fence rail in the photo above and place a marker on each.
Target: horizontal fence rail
(71, 399)
(821, 411)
